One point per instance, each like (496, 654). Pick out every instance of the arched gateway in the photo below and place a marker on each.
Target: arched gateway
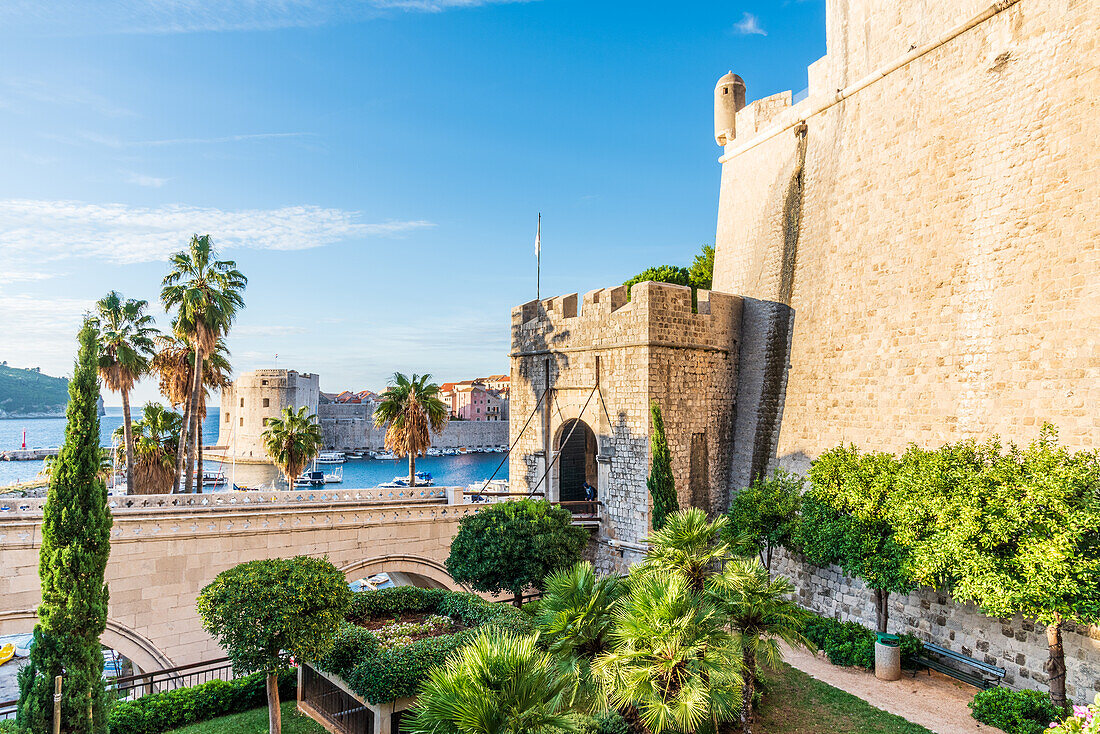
(577, 448)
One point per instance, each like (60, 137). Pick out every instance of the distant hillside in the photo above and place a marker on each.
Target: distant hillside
(29, 393)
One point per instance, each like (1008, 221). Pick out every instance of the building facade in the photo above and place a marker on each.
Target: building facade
(256, 397)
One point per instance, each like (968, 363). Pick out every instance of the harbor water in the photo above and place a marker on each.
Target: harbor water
(455, 471)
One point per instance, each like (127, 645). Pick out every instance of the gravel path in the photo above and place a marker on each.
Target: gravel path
(935, 701)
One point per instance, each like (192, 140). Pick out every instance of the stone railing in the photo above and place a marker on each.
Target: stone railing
(242, 500)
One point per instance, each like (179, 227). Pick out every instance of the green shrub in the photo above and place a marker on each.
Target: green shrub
(10, 727)
(160, 712)
(380, 675)
(608, 722)
(852, 644)
(1016, 712)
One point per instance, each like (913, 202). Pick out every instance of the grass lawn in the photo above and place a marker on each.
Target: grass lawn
(799, 704)
(255, 722)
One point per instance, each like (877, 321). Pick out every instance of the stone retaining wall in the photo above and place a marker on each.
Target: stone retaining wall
(1018, 645)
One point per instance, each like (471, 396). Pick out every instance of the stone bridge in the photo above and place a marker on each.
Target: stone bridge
(166, 548)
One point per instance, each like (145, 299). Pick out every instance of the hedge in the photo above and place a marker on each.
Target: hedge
(380, 675)
(160, 712)
(1016, 712)
(852, 644)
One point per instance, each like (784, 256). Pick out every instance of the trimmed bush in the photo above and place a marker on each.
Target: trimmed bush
(852, 644)
(379, 674)
(160, 712)
(1015, 712)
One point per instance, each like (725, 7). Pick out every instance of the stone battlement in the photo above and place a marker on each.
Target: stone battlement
(660, 314)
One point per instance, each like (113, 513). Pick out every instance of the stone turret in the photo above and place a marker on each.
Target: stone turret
(729, 98)
(255, 398)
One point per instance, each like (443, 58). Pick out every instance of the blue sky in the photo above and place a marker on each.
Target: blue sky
(375, 167)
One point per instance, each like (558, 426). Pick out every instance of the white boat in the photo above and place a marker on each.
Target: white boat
(434, 452)
(214, 479)
(335, 477)
(386, 456)
(331, 457)
(450, 452)
(312, 478)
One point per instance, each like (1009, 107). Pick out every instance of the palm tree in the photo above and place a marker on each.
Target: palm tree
(125, 337)
(106, 466)
(674, 666)
(760, 611)
(156, 438)
(688, 544)
(574, 621)
(292, 441)
(412, 408)
(174, 364)
(206, 293)
(500, 683)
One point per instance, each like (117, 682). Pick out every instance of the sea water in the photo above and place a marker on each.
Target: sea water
(452, 471)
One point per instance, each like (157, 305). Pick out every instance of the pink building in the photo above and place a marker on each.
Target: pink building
(472, 401)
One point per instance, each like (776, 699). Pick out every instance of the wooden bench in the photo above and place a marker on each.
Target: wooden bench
(987, 675)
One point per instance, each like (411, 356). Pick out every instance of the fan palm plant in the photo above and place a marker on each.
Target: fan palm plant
(174, 364)
(759, 609)
(413, 410)
(574, 620)
(125, 334)
(674, 665)
(206, 294)
(500, 683)
(106, 466)
(156, 438)
(689, 544)
(292, 441)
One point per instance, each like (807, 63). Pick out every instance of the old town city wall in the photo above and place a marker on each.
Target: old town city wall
(929, 214)
(935, 232)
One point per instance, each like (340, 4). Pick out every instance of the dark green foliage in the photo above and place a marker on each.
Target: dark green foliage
(764, 515)
(661, 484)
(700, 275)
(702, 268)
(76, 541)
(29, 391)
(608, 722)
(662, 274)
(160, 712)
(381, 675)
(514, 545)
(852, 644)
(263, 613)
(1016, 712)
(12, 727)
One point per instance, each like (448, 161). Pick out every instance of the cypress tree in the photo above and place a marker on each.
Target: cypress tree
(662, 486)
(76, 535)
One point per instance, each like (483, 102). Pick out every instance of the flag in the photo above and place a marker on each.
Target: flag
(538, 238)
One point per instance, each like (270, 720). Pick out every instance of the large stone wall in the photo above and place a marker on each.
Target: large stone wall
(651, 347)
(936, 232)
(1018, 645)
(350, 426)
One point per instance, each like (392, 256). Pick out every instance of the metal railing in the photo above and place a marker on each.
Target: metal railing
(181, 676)
(8, 709)
(341, 711)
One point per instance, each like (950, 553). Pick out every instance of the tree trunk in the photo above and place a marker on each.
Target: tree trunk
(882, 610)
(128, 439)
(274, 718)
(748, 658)
(181, 450)
(517, 599)
(412, 469)
(194, 423)
(199, 438)
(1055, 666)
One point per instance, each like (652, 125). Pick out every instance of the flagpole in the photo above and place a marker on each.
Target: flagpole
(538, 260)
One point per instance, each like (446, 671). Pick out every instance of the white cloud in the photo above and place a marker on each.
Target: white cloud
(82, 17)
(37, 231)
(9, 275)
(41, 332)
(749, 25)
(142, 179)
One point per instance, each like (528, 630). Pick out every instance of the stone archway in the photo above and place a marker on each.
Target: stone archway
(576, 448)
(137, 648)
(419, 571)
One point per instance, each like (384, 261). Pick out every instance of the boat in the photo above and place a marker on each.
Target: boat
(214, 479)
(386, 456)
(7, 652)
(313, 478)
(331, 457)
(450, 452)
(335, 477)
(423, 479)
(434, 452)
(462, 450)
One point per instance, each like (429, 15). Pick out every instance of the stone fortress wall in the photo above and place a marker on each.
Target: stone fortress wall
(936, 233)
(651, 347)
(263, 394)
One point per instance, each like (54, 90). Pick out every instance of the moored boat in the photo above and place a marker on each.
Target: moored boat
(331, 457)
